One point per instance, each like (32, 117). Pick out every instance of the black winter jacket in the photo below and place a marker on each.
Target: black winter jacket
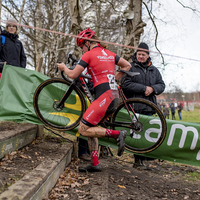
(12, 51)
(149, 76)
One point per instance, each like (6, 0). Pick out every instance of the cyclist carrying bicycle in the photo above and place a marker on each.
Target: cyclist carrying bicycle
(100, 64)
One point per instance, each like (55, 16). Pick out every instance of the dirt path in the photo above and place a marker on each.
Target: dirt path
(119, 180)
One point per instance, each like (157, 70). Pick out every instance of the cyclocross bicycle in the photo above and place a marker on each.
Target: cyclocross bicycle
(61, 103)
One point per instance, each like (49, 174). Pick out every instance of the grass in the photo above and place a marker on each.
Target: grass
(193, 176)
(189, 116)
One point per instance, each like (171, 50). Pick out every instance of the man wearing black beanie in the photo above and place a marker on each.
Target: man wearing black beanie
(143, 47)
(146, 85)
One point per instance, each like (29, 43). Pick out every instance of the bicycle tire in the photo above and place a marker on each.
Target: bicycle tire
(150, 131)
(48, 94)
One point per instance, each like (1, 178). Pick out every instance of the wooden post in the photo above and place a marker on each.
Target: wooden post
(40, 131)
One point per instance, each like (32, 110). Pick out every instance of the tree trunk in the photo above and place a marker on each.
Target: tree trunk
(38, 35)
(21, 14)
(77, 23)
(134, 29)
(53, 46)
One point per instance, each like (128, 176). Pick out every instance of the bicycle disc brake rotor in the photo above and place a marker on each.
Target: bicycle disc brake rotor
(137, 127)
(56, 107)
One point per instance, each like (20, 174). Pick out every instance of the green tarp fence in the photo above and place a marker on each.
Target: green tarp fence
(17, 87)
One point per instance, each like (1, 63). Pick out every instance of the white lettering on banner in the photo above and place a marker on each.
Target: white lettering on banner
(183, 136)
(198, 155)
(153, 130)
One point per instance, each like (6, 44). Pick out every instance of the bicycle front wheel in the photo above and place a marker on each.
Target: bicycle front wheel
(46, 99)
(145, 124)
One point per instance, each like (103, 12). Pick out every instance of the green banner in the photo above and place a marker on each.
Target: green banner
(17, 87)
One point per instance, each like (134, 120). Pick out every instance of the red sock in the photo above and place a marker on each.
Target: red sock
(94, 158)
(112, 133)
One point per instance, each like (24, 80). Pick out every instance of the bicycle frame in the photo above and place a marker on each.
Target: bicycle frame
(86, 91)
(81, 80)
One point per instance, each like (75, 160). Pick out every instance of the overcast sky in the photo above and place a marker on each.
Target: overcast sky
(179, 37)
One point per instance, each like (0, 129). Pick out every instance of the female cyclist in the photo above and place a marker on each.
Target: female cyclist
(100, 64)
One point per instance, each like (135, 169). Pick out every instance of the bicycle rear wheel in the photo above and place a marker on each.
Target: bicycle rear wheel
(46, 98)
(147, 131)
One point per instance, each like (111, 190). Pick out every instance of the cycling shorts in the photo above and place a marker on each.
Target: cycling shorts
(101, 108)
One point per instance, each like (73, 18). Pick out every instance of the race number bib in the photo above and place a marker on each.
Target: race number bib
(112, 83)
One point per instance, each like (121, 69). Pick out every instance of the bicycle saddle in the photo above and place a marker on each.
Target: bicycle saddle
(131, 74)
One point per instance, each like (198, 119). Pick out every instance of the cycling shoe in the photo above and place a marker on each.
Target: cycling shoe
(90, 168)
(121, 142)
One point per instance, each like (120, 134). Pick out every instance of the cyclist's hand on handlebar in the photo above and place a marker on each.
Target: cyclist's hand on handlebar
(61, 66)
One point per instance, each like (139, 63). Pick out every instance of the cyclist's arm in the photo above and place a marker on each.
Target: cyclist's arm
(124, 65)
(74, 73)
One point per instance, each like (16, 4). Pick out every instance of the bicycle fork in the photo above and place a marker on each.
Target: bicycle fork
(60, 105)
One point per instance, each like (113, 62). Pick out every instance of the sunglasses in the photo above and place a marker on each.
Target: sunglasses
(12, 26)
(83, 45)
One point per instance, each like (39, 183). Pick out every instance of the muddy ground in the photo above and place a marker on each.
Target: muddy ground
(118, 180)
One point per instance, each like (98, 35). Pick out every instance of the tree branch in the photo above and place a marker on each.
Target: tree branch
(193, 9)
(156, 37)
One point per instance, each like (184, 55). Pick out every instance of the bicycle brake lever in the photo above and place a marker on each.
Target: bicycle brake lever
(74, 60)
(57, 68)
(69, 57)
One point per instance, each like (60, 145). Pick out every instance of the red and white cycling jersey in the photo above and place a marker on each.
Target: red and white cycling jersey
(100, 64)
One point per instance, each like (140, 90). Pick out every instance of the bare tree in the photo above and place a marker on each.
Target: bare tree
(134, 28)
(43, 48)
(44, 19)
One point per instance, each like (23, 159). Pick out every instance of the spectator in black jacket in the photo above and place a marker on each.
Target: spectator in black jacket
(146, 85)
(12, 52)
(173, 111)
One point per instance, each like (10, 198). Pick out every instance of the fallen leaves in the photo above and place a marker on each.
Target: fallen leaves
(121, 186)
(22, 156)
(71, 179)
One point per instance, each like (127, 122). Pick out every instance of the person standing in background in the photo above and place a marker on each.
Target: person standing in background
(166, 110)
(12, 51)
(173, 111)
(180, 108)
(146, 85)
